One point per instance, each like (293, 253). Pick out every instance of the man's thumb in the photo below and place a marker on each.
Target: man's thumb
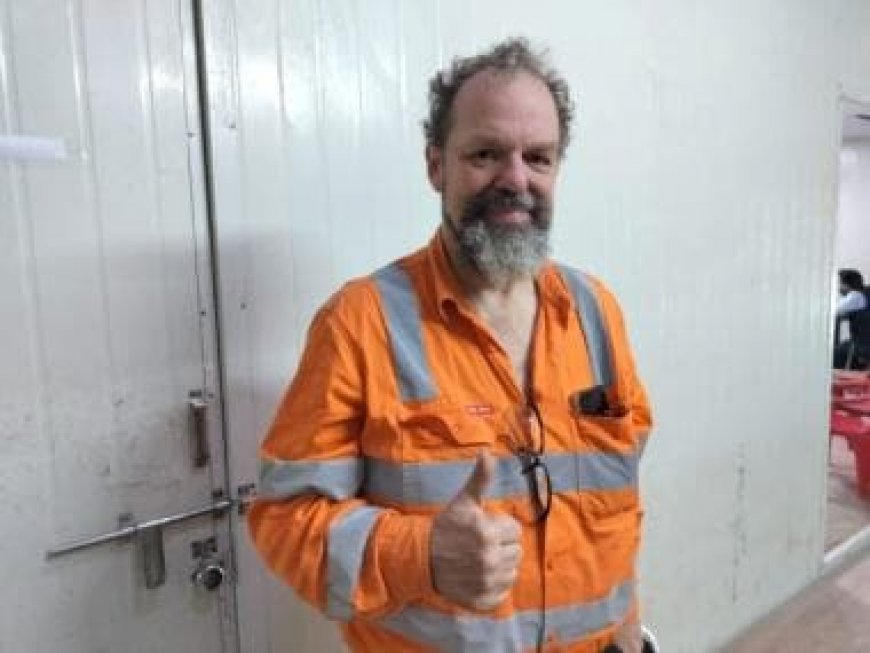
(480, 478)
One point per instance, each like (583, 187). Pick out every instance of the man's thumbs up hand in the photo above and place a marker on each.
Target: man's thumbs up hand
(474, 554)
(478, 481)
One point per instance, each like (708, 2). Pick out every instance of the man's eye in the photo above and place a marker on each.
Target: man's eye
(484, 155)
(539, 160)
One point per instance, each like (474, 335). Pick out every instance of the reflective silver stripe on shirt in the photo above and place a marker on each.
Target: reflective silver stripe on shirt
(592, 471)
(405, 331)
(346, 545)
(438, 482)
(592, 321)
(337, 479)
(469, 633)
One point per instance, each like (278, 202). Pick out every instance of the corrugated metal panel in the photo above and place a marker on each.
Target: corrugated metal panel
(700, 184)
(100, 333)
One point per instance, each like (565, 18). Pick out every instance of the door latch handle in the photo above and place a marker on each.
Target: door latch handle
(149, 537)
(198, 408)
(150, 541)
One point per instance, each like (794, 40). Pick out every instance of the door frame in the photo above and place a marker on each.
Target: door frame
(218, 226)
(202, 202)
(858, 545)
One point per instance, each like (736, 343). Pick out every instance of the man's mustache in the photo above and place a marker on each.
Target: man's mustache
(480, 206)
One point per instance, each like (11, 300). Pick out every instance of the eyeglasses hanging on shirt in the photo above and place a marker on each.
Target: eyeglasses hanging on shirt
(523, 430)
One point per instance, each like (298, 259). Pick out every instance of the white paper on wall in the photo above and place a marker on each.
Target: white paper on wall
(31, 148)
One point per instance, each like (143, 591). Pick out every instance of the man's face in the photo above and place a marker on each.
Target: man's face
(497, 170)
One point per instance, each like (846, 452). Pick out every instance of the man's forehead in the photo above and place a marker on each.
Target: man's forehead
(486, 136)
(493, 83)
(491, 100)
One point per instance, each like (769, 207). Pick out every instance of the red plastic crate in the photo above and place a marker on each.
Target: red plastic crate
(850, 384)
(855, 405)
(849, 426)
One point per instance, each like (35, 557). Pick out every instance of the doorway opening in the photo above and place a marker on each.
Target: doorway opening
(848, 509)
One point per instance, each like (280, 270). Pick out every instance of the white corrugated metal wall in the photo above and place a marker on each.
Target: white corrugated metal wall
(106, 324)
(701, 184)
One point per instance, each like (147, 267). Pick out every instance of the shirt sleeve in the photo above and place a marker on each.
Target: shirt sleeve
(853, 301)
(628, 379)
(639, 406)
(348, 558)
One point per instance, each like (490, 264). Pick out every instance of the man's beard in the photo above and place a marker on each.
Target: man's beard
(501, 252)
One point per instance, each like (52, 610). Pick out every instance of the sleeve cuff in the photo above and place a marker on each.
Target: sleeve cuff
(404, 547)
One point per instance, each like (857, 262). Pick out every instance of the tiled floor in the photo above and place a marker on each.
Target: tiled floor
(833, 616)
(830, 617)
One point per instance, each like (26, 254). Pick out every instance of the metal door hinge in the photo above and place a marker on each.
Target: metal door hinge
(245, 494)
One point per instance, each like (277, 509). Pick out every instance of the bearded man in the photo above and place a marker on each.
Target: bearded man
(454, 465)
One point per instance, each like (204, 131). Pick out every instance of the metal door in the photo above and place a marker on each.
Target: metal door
(319, 177)
(109, 384)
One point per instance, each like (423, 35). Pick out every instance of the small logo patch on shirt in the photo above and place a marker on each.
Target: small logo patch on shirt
(479, 410)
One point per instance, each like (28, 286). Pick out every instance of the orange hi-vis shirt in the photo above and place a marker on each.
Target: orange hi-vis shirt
(400, 385)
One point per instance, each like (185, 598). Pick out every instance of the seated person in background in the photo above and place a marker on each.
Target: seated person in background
(852, 293)
(853, 307)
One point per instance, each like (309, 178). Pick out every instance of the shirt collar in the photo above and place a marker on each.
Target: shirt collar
(552, 289)
(449, 297)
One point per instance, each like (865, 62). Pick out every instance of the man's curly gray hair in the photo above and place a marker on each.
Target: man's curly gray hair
(511, 56)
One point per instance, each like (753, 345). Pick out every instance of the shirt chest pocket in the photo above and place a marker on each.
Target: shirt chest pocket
(440, 432)
(605, 432)
(431, 454)
(605, 472)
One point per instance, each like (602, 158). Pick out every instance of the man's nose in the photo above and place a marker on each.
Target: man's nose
(513, 174)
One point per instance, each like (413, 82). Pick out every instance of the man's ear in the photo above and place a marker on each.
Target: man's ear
(435, 166)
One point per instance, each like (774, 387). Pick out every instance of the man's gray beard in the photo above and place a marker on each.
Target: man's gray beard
(501, 253)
